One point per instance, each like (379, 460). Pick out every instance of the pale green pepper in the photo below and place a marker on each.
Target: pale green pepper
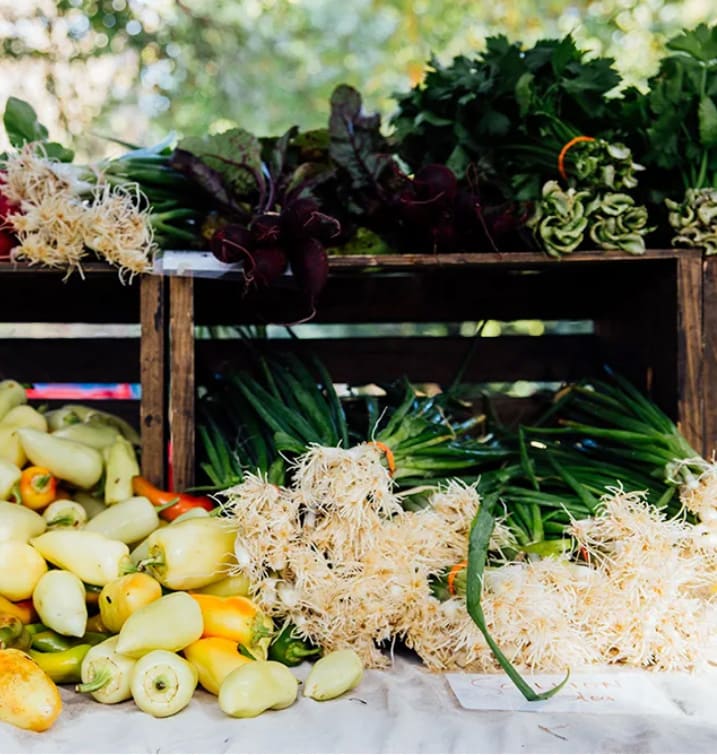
(190, 554)
(89, 503)
(12, 394)
(129, 521)
(21, 568)
(59, 599)
(163, 683)
(106, 674)
(170, 623)
(334, 674)
(9, 477)
(64, 513)
(91, 434)
(255, 687)
(94, 558)
(120, 467)
(10, 446)
(17, 522)
(66, 459)
(25, 416)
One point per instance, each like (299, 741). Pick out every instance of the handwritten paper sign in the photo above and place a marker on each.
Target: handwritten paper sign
(609, 692)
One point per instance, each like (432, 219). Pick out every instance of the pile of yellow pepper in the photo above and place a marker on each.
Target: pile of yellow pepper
(122, 590)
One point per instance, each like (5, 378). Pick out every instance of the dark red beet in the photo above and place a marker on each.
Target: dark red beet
(232, 243)
(266, 228)
(270, 262)
(303, 218)
(436, 182)
(296, 216)
(416, 212)
(310, 266)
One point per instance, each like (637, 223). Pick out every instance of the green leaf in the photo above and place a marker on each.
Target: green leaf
(478, 545)
(699, 43)
(707, 116)
(356, 143)
(21, 123)
(234, 154)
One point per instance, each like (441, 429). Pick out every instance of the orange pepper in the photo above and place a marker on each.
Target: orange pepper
(175, 504)
(214, 658)
(235, 618)
(23, 609)
(38, 487)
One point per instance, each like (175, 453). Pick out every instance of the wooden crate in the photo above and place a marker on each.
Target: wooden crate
(40, 295)
(646, 310)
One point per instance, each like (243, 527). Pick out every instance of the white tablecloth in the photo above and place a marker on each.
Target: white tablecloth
(404, 709)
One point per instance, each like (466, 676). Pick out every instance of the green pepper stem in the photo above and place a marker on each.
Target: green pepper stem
(99, 680)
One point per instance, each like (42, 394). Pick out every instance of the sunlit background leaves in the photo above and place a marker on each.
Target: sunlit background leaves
(136, 69)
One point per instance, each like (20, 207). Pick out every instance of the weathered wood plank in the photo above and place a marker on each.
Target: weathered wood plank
(181, 381)
(152, 363)
(690, 382)
(709, 325)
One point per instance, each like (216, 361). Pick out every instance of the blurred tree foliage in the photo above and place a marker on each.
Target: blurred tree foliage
(135, 69)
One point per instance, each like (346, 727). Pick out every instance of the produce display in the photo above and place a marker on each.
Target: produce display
(327, 526)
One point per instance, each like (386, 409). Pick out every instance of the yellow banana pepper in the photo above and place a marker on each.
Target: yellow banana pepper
(214, 658)
(190, 554)
(94, 558)
(170, 623)
(121, 597)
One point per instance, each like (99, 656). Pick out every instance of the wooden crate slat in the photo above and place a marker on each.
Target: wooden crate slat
(66, 360)
(182, 381)
(153, 419)
(434, 359)
(709, 329)
(690, 381)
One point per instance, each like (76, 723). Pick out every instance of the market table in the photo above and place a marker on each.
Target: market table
(403, 709)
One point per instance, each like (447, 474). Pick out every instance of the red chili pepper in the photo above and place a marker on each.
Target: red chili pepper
(177, 503)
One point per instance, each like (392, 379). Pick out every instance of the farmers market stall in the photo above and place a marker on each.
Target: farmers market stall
(317, 544)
